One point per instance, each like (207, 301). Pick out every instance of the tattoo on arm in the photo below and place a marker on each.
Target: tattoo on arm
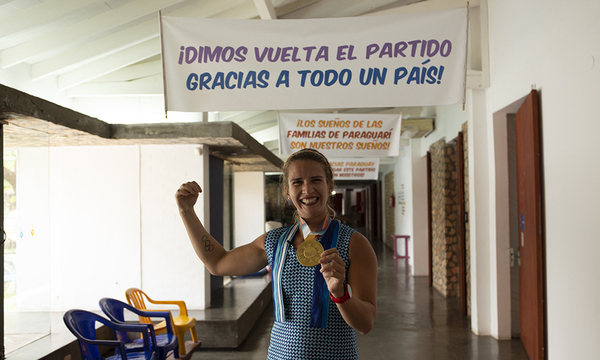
(208, 246)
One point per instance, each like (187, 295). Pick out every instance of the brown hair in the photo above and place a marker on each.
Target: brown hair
(314, 155)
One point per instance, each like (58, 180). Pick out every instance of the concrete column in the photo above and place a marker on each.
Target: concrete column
(419, 211)
(479, 215)
(205, 216)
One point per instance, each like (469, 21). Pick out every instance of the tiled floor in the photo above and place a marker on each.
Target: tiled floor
(413, 322)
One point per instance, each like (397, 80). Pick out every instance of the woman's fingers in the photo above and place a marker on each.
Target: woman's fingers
(332, 264)
(331, 255)
(189, 188)
(187, 194)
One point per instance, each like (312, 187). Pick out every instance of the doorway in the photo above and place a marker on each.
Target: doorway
(530, 226)
(527, 265)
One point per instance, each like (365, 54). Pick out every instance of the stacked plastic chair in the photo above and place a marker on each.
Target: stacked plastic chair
(181, 324)
(164, 343)
(82, 324)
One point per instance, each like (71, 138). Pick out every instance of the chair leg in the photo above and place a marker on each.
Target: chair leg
(181, 340)
(176, 350)
(194, 336)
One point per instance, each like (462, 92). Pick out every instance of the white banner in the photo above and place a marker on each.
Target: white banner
(355, 168)
(340, 134)
(416, 59)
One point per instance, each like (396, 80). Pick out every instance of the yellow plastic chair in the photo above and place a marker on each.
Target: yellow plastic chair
(181, 323)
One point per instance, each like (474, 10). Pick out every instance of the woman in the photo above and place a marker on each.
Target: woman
(317, 308)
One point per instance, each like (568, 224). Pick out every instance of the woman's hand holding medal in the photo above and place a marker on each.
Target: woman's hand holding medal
(333, 269)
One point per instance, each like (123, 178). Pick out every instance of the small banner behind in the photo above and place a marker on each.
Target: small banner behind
(341, 135)
(416, 59)
(355, 168)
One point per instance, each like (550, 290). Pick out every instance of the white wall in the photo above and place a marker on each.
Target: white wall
(95, 218)
(554, 46)
(170, 267)
(32, 232)
(249, 204)
(115, 225)
(410, 177)
(448, 122)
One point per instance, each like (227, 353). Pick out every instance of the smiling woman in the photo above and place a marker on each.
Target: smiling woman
(324, 276)
(307, 179)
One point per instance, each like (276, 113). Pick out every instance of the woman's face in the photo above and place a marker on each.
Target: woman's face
(309, 189)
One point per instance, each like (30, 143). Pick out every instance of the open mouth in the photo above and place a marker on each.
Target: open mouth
(309, 200)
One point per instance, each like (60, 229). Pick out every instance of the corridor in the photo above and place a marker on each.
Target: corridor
(413, 322)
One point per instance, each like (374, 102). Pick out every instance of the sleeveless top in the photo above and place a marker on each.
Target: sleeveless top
(294, 338)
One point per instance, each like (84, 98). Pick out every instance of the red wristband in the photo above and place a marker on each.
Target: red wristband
(343, 299)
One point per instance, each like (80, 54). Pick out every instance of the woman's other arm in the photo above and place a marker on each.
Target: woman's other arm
(359, 311)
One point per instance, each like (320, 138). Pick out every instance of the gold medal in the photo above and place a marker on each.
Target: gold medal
(309, 252)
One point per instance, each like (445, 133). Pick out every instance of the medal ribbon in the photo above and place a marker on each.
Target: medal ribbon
(320, 230)
(320, 297)
(279, 253)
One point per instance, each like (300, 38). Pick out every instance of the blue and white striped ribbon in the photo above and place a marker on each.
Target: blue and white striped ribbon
(278, 263)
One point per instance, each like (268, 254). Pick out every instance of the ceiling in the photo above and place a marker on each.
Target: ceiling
(97, 49)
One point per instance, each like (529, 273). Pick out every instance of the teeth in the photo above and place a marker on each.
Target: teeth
(309, 201)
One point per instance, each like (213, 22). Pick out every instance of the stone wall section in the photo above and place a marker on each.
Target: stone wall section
(278, 206)
(465, 132)
(444, 188)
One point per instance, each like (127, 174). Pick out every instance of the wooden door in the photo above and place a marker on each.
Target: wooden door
(529, 198)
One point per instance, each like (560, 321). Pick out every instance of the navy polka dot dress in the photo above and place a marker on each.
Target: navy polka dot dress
(294, 338)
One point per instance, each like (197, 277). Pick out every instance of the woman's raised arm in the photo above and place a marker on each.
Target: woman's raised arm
(243, 260)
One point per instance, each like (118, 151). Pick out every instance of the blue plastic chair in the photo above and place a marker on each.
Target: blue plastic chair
(82, 324)
(163, 343)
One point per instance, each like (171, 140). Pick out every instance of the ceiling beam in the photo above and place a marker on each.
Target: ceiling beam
(264, 126)
(15, 104)
(265, 9)
(38, 15)
(258, 120)
(128, 37)
(239, 116)
(134, 72)
(110, 63)
(81, 30)
(95, 49)
(106, 89)
(428, 5)
(333, 9)
(418, 127)
(293, 6)
(272, 145)
(265, 135)
(246, 10)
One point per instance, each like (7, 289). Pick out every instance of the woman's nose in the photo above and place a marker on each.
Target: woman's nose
(306, 188)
